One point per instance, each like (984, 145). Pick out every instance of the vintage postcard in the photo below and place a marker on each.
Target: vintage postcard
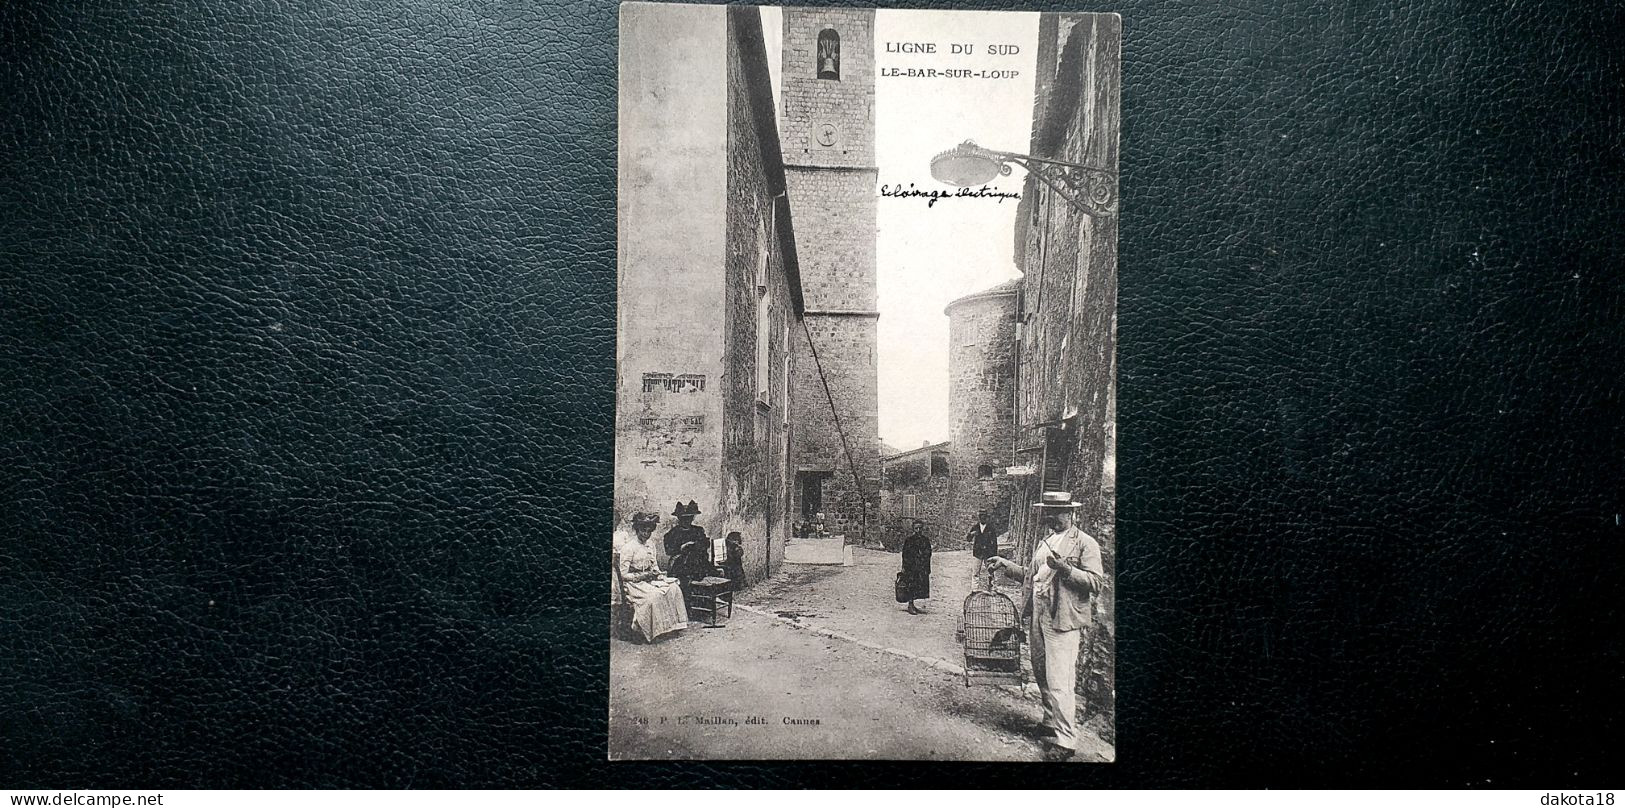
(865, 445)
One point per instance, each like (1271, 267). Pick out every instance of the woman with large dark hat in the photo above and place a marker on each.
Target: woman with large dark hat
(685, 531)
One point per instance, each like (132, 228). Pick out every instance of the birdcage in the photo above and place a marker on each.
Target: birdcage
(993, 639)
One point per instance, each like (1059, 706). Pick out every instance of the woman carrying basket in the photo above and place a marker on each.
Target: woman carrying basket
(914, 581)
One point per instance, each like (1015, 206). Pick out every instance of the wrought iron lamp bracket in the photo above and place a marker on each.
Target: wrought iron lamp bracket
(1091, 190)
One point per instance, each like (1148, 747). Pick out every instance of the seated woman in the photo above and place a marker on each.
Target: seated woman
(656, 600)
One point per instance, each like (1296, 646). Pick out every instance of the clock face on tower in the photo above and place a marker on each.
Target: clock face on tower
(826, 134)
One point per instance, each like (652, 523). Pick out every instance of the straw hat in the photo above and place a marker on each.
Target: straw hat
(1056, 499)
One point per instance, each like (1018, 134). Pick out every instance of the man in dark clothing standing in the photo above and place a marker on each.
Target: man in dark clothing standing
(983, 541)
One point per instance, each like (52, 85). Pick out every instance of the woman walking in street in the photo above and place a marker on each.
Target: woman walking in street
(914, 582)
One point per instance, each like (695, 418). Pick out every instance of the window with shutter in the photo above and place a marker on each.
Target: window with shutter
(763, 311)
(1057, 453)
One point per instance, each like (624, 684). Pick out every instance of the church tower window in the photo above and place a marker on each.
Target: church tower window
(829, 54)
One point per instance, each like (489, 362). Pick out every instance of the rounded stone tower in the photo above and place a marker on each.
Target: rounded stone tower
(981, 405)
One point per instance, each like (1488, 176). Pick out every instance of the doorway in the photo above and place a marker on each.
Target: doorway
(810, 491)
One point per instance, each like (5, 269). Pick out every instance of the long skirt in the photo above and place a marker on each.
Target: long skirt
(657, 608)
(916, 582)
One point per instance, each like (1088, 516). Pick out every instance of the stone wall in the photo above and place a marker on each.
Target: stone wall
(981, 403)
(843, 349)
(811, 104)
(703, 281)
(754, 494)
(1067, 359)
(835, 212)
(924, 474)
(827, 130)
(668, 420)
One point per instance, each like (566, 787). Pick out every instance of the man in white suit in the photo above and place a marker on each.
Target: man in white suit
(1065, 573)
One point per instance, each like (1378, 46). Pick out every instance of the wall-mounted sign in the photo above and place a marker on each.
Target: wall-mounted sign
(1020, 471)
(673, 382)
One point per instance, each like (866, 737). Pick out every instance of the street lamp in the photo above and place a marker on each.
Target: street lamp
(1091, 190)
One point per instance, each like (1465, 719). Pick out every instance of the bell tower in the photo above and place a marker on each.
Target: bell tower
(828, 143)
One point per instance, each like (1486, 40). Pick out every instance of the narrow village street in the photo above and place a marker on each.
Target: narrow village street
(763, 418)
(824, 644)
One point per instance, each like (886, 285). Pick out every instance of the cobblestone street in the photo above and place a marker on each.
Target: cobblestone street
(799, 642)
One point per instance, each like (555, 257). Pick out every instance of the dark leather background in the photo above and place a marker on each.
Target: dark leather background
(307, 346)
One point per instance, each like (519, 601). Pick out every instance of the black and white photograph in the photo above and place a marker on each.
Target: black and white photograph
(411, 397)
(864, 495)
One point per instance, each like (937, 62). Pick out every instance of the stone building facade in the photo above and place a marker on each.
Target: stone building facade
(710, 293)
(828, 96)
(917, 484)
(1067, 360)
(982, 403)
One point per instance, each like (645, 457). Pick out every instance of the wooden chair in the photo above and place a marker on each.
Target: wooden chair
(620, 607)
(708, 594)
